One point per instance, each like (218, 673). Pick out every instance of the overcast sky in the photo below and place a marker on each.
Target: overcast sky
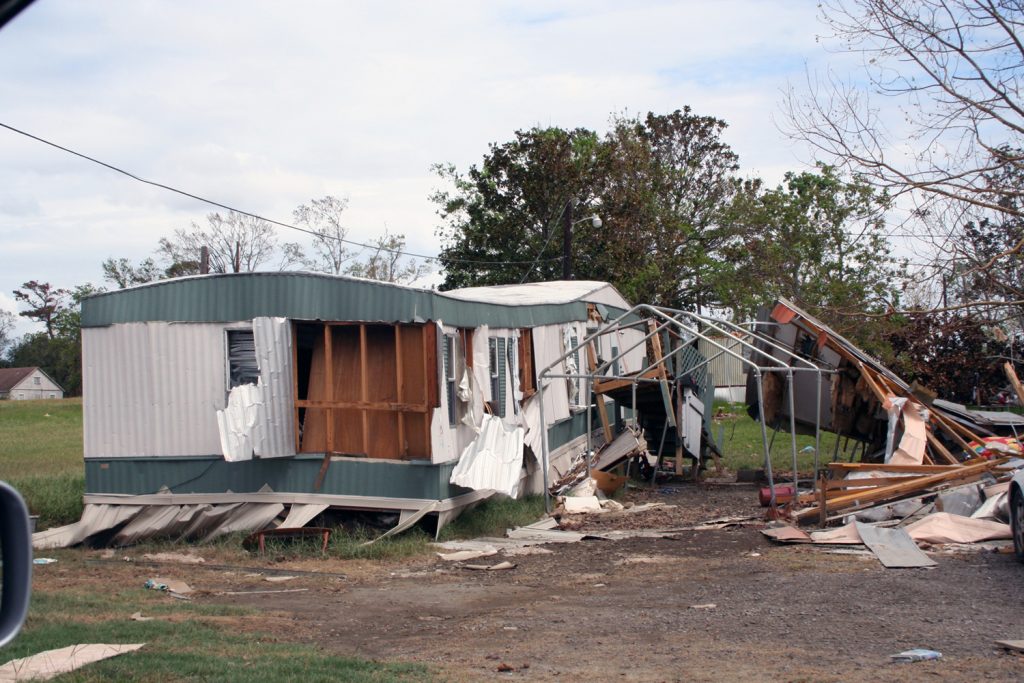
(267, 105)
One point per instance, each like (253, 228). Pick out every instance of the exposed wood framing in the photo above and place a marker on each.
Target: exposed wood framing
(371, 391)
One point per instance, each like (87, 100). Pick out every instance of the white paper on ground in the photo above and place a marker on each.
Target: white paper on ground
(581, 504)
(52, 663)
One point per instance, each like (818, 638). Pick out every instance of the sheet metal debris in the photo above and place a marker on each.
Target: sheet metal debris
(893, 547)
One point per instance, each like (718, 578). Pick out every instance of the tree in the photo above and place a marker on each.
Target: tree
(237, 243)
(983, 264)
(385, 262)
(44, 302)
(323, 218)
(658, 184)
(58, 351)
(954, 68)
(123, 273)
(952, 353)
(7, 321)
(670, 178)
(818, 240)
(501, 219)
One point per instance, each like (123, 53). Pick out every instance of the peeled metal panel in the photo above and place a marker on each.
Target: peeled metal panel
(275, 433)
(153, 389)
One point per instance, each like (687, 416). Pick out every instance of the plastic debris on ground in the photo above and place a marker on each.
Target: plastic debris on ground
(172, 587)
(915, 655)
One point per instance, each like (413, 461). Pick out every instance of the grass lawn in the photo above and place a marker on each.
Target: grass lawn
(40, 438)
(185, 641)
(41, 456)
(743, 445)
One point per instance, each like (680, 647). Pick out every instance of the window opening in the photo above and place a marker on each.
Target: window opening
(242, 366)
(496, 348)
(449, 378)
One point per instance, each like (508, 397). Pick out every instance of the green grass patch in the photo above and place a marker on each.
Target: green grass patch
(40, 438)
(743, 446)
(493, 516)
(57, 499)
(183, 650)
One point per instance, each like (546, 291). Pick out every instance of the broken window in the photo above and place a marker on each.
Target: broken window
(242, 366)
(365, 389)
(527, 380)
(449, 378)
(574, 366)
(498, 370)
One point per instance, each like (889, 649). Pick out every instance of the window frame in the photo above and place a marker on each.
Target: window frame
(229, 382)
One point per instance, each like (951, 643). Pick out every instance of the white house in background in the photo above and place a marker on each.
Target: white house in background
(25, 384)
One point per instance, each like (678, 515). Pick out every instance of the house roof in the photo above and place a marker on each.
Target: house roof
(11, 377)
(316, 296)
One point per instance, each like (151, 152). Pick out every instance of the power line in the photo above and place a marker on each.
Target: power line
(226, 207)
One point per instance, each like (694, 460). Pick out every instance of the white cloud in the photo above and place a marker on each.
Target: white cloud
(266, 106)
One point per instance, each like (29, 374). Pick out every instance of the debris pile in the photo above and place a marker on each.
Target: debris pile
(916, 450)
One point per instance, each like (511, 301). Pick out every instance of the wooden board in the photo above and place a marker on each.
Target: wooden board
(1011, 375)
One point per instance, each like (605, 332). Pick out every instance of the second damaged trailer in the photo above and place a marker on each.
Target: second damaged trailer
(907, 449)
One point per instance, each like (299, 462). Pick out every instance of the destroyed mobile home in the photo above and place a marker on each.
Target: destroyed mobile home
(240, 402)
(929, 471)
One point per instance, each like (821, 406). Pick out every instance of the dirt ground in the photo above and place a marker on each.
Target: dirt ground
(709, 605)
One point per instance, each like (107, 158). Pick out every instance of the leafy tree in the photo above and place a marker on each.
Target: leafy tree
(502, 218)
(7, 321)
(983, 268)
(659, 185)
(385, 262)
(237, 243)
(44, 303)
(668, 180)
(818, 240)
(952, 353)
(59, 357)
(323, 218)
(123, 273)
(58, 351)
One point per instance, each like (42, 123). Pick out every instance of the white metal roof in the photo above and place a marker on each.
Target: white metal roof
(535, 293)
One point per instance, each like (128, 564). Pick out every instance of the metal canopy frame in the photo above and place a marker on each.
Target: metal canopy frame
(690, 327)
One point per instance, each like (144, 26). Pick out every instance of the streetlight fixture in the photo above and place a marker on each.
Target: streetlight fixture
(567, 224)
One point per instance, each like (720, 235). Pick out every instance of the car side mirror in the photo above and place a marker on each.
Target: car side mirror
(16, 554)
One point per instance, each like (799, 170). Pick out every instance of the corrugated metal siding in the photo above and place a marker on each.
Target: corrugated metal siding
(141, 476)
(306, 296)
(153, 389)
(726, 370)
(276, 433)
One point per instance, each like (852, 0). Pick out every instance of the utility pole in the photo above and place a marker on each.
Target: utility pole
(567, 240)
(204, 260)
